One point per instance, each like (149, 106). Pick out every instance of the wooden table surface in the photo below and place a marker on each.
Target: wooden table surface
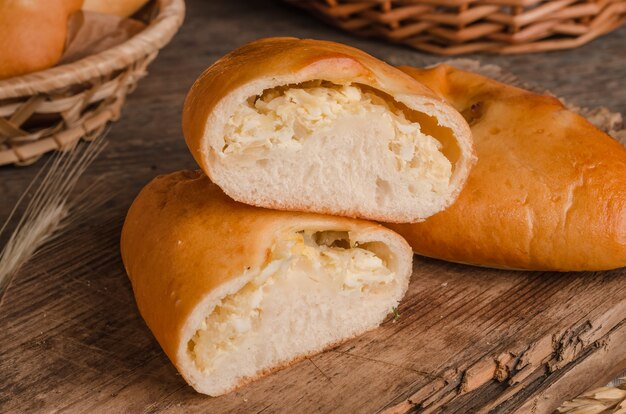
(468, 340)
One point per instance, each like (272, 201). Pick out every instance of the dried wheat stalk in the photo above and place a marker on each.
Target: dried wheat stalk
(603, 400)
(48, 210)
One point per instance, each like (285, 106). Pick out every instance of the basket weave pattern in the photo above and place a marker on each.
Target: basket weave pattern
(55, 108)
(451, 27)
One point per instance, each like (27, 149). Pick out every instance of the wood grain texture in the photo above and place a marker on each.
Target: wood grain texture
(72, 340)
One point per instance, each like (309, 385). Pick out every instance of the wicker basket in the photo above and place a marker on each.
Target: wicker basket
(451, 27)
(54, 108)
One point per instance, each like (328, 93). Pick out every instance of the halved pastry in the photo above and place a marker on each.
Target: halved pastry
(232, 292)
(317, 126)
(548, 191)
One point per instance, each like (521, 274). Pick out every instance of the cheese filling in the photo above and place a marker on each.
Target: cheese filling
(284, 118)
(308, 260)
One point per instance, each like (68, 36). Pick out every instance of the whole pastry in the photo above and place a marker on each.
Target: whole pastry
(232, 292)
(548, 191)
(310, 125)
(33, 34)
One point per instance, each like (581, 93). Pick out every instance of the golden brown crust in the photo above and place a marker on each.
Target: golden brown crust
(548, 191)
(32, 36)
(122, 8)
(183, 237)
(305, 59)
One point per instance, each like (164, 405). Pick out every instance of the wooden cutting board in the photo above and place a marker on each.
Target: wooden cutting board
(468, 339)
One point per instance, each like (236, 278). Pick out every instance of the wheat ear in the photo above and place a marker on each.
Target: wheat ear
(48, 209)
(604, 400)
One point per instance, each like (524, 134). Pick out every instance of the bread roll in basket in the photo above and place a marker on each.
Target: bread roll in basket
(310, 125)
(33, 34)
(232, 292)
(54, 107)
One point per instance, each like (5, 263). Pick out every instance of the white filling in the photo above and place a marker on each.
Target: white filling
(305, 265)
(283, 119)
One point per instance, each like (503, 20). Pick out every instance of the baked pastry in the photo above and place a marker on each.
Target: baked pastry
(122, 8)
(310, 125)
(32, 35)
(232, 292)
(548, 191)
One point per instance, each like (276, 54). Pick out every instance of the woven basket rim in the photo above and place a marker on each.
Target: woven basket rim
(454, 27)
(156, 35)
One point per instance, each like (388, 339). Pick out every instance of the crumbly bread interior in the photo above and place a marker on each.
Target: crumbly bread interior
(302, 118)
(316, 289)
